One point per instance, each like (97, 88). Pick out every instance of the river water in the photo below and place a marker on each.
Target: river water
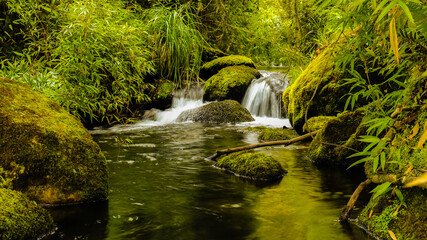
(161, 187)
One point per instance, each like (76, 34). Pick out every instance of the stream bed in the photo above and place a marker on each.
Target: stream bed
(161, 187)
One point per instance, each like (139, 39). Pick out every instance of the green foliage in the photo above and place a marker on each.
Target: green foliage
(178, 44)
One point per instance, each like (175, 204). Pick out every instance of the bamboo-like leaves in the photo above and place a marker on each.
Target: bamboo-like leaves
(381, 189)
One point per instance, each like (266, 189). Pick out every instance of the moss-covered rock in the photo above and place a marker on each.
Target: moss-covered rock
(229, 83)
(21, 218)
(409, 223)
(213, 67)
(228, 111)
(274, 134)
(326, 149)
(316, 123)
(320, 74)
(61, 162)
(251, 164)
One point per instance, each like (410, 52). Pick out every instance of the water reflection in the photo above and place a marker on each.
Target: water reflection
(162, 188)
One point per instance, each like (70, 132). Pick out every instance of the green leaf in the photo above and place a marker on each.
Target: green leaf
(375, 165)
(386, 10)
(407, 12)
(400, 196)
(381, 189)
(359, 161)
(382, 159)
(369, 139)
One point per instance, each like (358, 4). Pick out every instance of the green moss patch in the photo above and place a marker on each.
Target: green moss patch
(316, 123)
(333, 143)
(229, 83)
(274, 134)
(213, 67)
(21, 218)
(320, 74)
(409, 223)
(251, 164)
(228, 111)
(61, 162)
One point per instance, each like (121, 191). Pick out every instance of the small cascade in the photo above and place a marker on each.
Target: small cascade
(183, 99)
(263, 97)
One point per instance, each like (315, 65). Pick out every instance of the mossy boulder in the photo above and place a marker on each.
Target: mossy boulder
(333, 142)
(251, 164)
(316, 123)
(229, 83)
(274, 134)
(228, 111)
(61, 162)
(21, 218)
(320, 74)
(409, 223)
(213, 67)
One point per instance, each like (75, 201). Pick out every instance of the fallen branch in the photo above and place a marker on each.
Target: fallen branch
(352, 201)
(264, 144)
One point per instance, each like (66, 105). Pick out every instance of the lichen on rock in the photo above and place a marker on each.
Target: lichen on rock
(229, 83)
(21, 218)
(228, 111)
(62, 163)
(213, 67)
(251, 164)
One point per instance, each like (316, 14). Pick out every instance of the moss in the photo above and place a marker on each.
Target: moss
(21, 218)
(316, 123)
(62, 163)
(328, 101)
(325, 148)
(229, 83)
(274, 134)
(251, 164)
(228, 111)
(213, 67)
(410, 221)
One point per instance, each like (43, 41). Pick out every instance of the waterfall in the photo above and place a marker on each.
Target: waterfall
(263, 97)
(183, 99)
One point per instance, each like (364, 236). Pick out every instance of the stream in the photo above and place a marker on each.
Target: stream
(161, 187)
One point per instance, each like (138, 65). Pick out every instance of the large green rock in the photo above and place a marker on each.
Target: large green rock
(335, 141)
(213, 67)
(62, 164)
(320, 77)
(251, 164)
(21, 218)
(228, 111)
(229, 83)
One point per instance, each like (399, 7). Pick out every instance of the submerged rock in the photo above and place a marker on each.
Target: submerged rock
(62, 164)
(21, 218)
(229, 83)
(228, 111)
(274, 134)
(251, 164)
(325, 148)
(213, 67)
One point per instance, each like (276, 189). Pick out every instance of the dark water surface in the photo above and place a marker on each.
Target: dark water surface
(162, 188)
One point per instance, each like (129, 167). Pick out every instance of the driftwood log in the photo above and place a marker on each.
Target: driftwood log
(264, 144)
(352, 201)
